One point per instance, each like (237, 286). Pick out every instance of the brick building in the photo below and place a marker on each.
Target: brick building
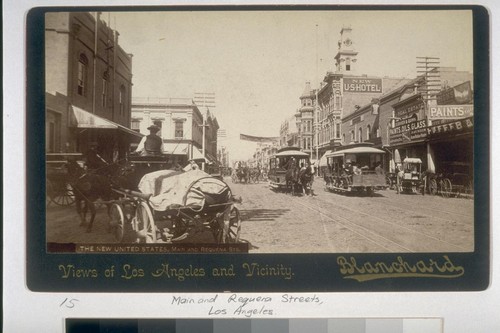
(88, 85)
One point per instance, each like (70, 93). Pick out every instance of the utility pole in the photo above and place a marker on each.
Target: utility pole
(428, 67)
(206, 100)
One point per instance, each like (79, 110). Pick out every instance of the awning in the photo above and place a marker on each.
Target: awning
(83, 119)
(198, 156)
(323, 159)
(291, 153)
(173, 148)
(357, 150)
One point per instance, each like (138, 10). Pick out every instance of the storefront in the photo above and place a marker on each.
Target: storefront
(408, 133)
(113, 140)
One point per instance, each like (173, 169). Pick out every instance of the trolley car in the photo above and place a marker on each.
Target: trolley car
(281, 162)
(355, 169)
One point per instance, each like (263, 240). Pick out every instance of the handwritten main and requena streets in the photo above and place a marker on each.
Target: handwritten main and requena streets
(349, 268)
(241, 306)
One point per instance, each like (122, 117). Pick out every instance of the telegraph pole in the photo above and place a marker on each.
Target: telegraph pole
(206, 100)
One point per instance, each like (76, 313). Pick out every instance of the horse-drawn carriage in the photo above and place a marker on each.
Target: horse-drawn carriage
(152, 204)
(355, 169)
(59, 189)
(412, 178)
(287, 171)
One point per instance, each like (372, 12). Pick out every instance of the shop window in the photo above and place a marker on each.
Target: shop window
(83, 65)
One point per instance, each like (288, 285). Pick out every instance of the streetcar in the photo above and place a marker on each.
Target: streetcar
(356, 169)
(284, 169)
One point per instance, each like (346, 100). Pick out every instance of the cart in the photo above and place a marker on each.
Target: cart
(454, 179)
(412, 180)
(173, 205)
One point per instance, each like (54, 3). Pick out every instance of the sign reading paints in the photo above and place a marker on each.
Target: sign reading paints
(451, 111)
(363, 85)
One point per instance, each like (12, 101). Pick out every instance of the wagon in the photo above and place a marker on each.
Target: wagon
(58, 184)
(412, 180)
(363, 177)
(453, 179)
(171, 205)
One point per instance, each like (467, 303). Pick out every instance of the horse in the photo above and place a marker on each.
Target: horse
(292, 178)
(305, 179)
(242, 174)
(88, 188)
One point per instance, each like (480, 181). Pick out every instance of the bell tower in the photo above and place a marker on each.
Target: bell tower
(345, 60)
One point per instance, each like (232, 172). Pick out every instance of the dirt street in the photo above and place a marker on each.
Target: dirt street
(274, 222)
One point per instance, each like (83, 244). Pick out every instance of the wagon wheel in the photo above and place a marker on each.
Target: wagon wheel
(117, 221)
(62, 195)
(228, 228)
(446, 188)
(145, 225)
(433, 187)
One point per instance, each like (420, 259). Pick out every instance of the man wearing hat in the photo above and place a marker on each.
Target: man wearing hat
(152, 144)
(94, 161)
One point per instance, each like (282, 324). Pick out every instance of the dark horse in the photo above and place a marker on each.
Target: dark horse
(242, 173)
(292, 178)
(88, 188)
(305, 179)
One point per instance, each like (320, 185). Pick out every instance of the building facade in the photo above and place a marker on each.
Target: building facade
(88, 85)
(305, 117)
(181, 127)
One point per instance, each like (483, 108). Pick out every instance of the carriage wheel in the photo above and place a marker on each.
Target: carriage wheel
(433, 187)
(446, 188)
(228, 229)
(145, 225)
(62, 196)
(117, 221)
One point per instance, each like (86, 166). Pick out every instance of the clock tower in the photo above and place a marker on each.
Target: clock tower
(345, 60)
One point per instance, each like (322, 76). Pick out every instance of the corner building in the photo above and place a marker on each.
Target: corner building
(88, 86)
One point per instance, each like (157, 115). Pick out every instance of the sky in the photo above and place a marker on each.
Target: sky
(258, 62)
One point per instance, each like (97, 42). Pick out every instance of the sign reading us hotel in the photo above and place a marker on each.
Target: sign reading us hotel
(363, 85)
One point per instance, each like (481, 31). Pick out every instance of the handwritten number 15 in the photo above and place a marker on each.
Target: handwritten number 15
(69, 303)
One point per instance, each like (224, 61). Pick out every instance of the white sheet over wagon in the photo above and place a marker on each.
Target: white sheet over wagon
(173, 189)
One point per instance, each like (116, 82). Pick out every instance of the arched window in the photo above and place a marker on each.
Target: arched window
(368, 132)
(83, 65)
(378, 132)
(360, 132)
(122, 99)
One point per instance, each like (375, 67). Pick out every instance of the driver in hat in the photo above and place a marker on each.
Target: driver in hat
(152, 144)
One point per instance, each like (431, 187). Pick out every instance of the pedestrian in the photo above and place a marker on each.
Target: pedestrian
(152, 144)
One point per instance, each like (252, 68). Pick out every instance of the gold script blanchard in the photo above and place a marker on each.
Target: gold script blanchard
(399, 268)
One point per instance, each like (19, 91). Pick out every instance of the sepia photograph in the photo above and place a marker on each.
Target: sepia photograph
(259, 131)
